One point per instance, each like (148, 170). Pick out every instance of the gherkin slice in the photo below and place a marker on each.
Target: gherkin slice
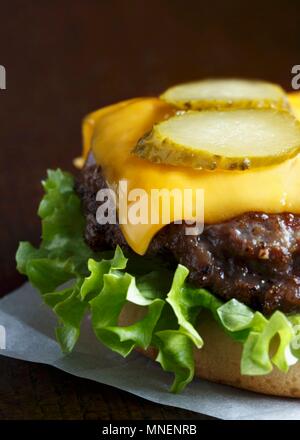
(228, 140)
(226, 93)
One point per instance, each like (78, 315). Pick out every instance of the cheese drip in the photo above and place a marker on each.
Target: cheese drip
(113, 132)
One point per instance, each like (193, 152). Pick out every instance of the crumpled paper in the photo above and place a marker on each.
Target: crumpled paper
(29, 327)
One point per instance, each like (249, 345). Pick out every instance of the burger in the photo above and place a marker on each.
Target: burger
(214, 290)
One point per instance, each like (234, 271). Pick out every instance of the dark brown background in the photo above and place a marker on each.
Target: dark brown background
(66, 58)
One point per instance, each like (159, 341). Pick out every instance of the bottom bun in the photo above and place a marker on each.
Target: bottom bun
(220, 357)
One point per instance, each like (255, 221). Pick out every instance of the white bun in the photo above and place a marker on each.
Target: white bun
(219, 360)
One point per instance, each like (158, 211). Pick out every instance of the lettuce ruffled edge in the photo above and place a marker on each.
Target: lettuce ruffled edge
(102, 284)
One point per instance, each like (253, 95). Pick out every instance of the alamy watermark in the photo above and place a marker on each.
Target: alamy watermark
(157, 206)
(296, 340)
(2, 337)
(296, 79)
(2, 78)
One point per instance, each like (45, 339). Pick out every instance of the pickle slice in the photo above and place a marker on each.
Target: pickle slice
(228, 140)
(226, 93)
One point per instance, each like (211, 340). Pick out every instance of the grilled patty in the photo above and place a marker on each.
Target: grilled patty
(254, 257)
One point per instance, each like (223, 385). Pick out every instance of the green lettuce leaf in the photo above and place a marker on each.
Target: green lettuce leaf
(104, 284)
(176, 355)
(106, 309)
(93, 284)
(182, 307)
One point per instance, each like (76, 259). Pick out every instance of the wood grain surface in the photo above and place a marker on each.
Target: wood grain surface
(66, 58)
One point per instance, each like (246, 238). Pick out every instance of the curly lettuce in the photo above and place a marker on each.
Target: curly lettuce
(103, 284)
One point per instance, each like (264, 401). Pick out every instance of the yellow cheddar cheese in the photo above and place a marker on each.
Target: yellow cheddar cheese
(294, 101)
(113, 134)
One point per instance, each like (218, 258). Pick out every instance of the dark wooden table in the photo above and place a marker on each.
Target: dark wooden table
(64, 59)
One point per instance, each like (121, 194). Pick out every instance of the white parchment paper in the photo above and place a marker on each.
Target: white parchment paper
(30, 324)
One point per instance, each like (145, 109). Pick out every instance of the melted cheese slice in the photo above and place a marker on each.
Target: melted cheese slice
(113, 133)
(294, 100)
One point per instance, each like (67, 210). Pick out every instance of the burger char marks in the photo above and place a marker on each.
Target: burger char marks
(254, 257)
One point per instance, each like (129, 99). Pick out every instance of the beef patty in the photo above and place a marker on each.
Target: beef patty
(254, 257)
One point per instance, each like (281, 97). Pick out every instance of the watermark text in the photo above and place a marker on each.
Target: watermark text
(153, 207)
(296, 79)
(2, 78)
(2, 337)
